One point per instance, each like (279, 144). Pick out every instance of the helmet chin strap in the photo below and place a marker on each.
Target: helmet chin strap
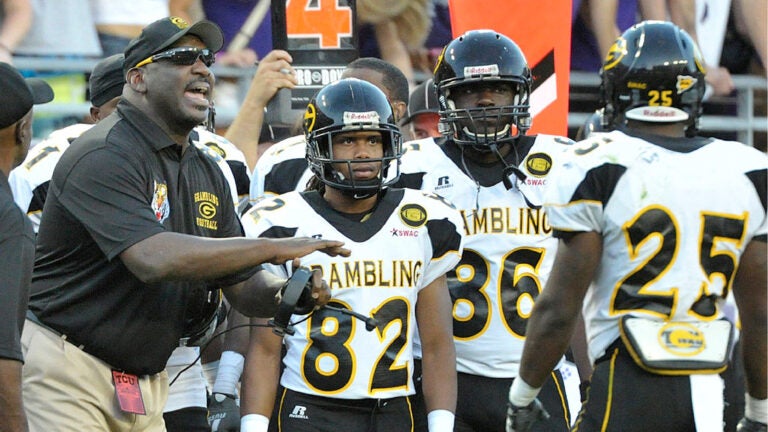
(509, 170)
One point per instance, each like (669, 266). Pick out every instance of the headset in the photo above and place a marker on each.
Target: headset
(297, 299)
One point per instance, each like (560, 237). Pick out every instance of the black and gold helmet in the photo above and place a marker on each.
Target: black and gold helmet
(350, 105)
(653, 73)
(488, 57)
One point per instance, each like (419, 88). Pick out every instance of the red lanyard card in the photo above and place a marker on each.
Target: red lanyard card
(128, 393)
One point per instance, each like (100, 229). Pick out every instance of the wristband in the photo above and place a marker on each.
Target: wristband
(756, 409)
(228, 375)
(440, 420)
(254, 423)
(521, 393)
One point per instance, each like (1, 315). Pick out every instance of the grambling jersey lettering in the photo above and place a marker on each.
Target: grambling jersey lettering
(508, 254)
(407, 241)
(647, 271)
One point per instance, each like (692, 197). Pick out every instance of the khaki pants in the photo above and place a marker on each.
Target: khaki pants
(66, 389)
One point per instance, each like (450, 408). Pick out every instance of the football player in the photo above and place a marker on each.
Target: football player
(495, 174)
(656, 227)
(402, 241)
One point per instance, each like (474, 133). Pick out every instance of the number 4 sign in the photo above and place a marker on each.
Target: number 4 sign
(323, 20)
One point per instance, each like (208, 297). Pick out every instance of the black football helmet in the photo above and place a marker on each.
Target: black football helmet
(489, 57)
(654, 73)
(350, 105)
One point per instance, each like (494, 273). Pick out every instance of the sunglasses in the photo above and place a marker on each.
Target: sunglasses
(184, 56)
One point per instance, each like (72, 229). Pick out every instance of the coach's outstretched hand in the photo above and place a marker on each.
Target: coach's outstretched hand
(286, 249)
(522, 419)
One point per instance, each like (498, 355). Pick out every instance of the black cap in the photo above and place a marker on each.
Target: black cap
(107, 79)
(19, 94)
(164, 32)
(423, 99)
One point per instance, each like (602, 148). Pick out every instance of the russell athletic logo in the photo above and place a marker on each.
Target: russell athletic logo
(299, 412)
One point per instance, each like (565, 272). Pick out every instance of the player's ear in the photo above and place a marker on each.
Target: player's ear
(135, 79)
(400, 108)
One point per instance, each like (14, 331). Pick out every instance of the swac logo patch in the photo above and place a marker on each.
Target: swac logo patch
(160, 202)
(615, 54)
(309, 118)
(538, 164)
(413, 215)
(681, 339)
(684, 83)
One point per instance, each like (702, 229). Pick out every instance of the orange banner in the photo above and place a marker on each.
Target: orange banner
(542, 29)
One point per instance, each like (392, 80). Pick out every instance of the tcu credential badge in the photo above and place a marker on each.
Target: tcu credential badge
(160, 202)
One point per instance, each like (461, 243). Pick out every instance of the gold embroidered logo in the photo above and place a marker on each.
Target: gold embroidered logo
(215, 147)
(539, 164)
(207, 205)
(413, 215)
(179, 22)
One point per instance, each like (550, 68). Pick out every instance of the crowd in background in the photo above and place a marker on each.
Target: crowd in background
(409, 34)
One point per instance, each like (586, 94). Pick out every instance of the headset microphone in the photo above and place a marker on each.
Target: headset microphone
(370, 322)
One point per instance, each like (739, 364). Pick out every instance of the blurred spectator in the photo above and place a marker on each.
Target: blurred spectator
(398, 27)
(231, 15)
(15, 20)
(274, 72)
(747, 37)
(424, 58)
(596, 24)
(117, 22)
(683, 13)
(423, 113)
(61, 30)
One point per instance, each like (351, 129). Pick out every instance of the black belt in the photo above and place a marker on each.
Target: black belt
(32, 317)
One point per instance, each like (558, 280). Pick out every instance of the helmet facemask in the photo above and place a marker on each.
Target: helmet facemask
(483, 126)
(323, 162)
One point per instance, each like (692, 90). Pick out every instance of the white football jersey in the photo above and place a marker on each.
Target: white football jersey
(219, 148)
(282, 168)
(234, 158)
(675, 217)
(508, 251)
(408, 241)
(29, 181)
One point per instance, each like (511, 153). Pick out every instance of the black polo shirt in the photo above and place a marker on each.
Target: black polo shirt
(122, 181)
(17, 252)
